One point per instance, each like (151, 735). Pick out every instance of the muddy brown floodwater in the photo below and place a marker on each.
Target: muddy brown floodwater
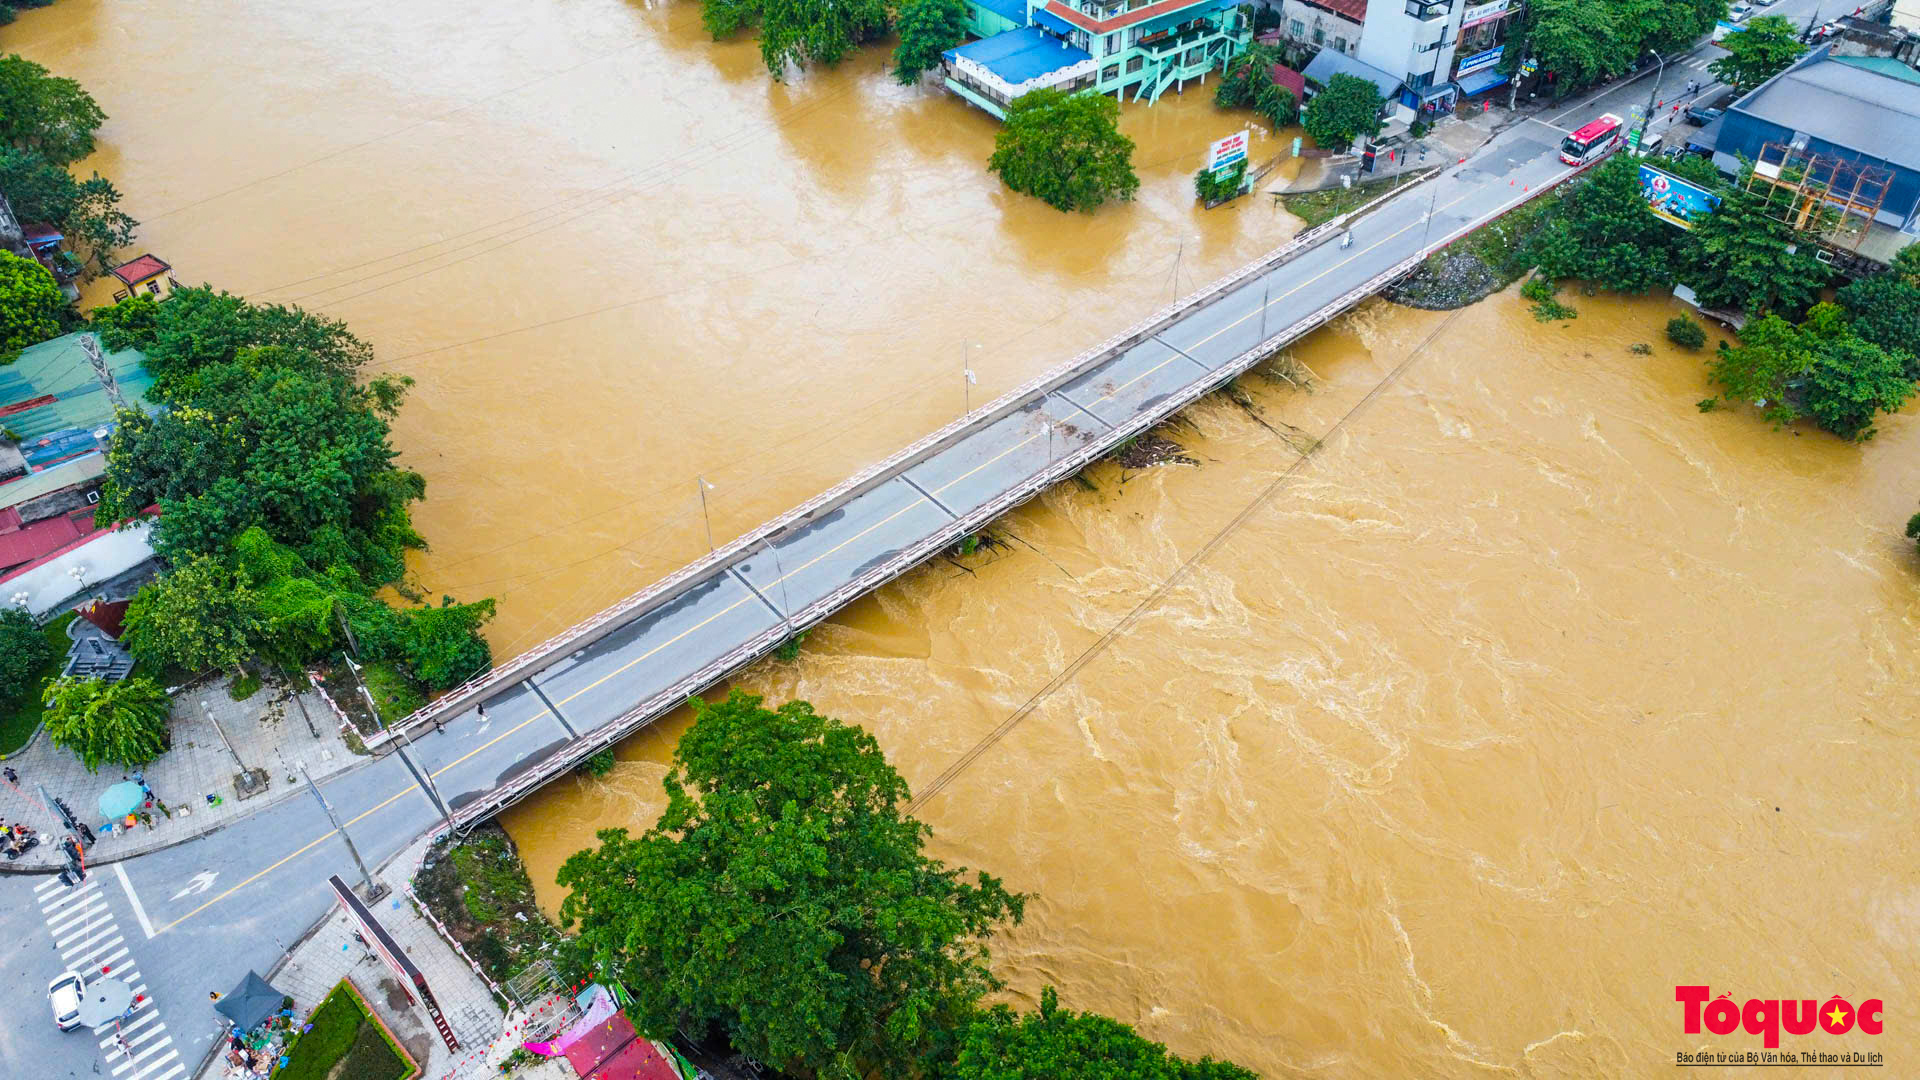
(1533, 693)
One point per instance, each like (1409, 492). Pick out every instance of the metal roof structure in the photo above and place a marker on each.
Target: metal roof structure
(1019, 55)
(1330, 62)
(52, 387)
(1014, 11)
(1844, 104)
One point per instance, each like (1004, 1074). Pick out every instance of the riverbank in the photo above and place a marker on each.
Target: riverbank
(1484, 261)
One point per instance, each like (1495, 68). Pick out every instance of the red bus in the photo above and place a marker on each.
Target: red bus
(1592, 141)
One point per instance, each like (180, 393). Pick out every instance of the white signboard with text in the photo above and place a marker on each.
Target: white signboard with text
(1227, 152)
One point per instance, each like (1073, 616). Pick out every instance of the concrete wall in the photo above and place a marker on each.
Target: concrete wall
(1332, 27)
(50, 585)
(1403, 44)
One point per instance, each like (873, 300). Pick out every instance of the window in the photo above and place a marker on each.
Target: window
(1195, 54)
(154, 287)
(1113, 44)
(1110, 73)
(1339, 44)
(1429, 9)
(1136, 64)
(1319, 36)
(1298, 28)
(1133, 35)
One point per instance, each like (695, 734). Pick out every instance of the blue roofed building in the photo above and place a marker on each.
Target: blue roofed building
(1135, 50)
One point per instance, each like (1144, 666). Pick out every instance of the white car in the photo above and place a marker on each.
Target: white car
(1739, 12)
(63, 994)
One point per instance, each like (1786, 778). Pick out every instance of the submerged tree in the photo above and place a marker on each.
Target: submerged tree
(1606, 234)
(1743, 256)
(785, 896)
(1058, 1044)
(927, 28)
(1065, 149)
(86, 211)
(1247, 83)
(39, 111)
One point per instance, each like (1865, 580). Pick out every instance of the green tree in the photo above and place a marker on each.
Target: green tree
(1579, 41)
(784, 894)
(1247, 83)
(30, 304)
(23, 652)
(1606, 234)
(1065, 149)
(1906, 265)
(1686, 333)
(1742, 256)
(1850, 381)
(123, 723)
(1765, 48)
(1058, 1044)
(818, 31)
(198, 616)
(927, 29)
(295, 611)
(1770, 355)
(1208, 187)
(1885, 310)
(87, 211)
(1349, 107)
(49, 115)
(199, 328)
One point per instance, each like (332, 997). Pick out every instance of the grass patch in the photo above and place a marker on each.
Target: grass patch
(19, 722)
(1318, 207)
(343, 1033)
(244, 687)
(393, 690)
(479, 889)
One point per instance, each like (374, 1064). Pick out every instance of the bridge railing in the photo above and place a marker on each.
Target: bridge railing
(586, 631)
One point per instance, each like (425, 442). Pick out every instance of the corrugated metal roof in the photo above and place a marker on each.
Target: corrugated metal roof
(56, 378)
(1883, 65)
(1014, 11)
(52, 479)
(1844, 104)
(1328, 62)
(1019, 55)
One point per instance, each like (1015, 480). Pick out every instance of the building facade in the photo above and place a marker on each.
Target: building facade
(1135, 50)
(1415, 41)
(1323, 24)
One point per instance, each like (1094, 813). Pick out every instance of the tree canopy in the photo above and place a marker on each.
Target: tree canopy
(1349, 107)
(1743, 256)
(927, 29)
(1247, 83)
(1885, 310)
(784, 895)
(1581, 42)
(86, 211)
(799, 31)
(123, 723)
(30, 305)
(23, 651)
(1058, 1044)
(1606, 234)
(39, 111)
(1065, 149)
(1765, 47)
(1819, 369)
(200, 615)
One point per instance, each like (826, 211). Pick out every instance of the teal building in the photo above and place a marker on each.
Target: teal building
(1135, 50)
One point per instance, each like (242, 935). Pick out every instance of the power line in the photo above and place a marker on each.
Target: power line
(1180, 574)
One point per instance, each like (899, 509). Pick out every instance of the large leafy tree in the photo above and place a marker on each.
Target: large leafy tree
(30, 304)
(1853, 380)
(1065, 149)
(200, 328)
(927, 28)
(1607, 235)
(1579, 41)
(123, 723)
(799, 32)
(1347, 108)
(1885, 310)
(1819, 369)
(784, 895)
(200, 615)
(87, 211)
(41, 112)
(24, 650)
(1247, 83)
(1059, 1044)
(1743, 256)
(1763, 49)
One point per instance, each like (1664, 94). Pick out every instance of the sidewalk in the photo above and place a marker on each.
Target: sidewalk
(267, 730)
(332, 952)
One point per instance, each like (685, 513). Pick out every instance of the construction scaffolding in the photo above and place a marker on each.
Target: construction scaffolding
(1832, 199)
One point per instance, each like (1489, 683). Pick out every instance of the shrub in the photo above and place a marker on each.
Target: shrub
(244, 687)
(1686, 333)
(335, 1025)
(1210, 187)
(599, 764)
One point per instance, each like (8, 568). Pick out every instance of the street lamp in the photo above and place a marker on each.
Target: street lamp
(704, 488)
(246, 774)
(966, 375)
(1646, 123)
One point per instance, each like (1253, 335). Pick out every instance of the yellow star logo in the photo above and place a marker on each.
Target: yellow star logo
(1838, 1014)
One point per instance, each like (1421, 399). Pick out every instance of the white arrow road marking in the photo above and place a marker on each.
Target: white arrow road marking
(201, 882)
(139, 912)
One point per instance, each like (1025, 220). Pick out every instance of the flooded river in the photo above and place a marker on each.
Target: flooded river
(1532, 693)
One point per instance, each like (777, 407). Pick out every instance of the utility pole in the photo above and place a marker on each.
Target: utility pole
(90, 344)
(246, 774)
(1646, 123)
(704, 486)
(426, 777)
(966, 376)
(374, 890)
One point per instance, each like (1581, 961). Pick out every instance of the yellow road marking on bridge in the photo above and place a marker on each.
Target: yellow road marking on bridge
(914, 505)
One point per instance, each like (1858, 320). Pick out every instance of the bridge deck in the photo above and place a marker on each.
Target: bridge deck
(638, 660)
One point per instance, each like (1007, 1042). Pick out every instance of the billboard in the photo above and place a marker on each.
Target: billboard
(1673, 199)
(1227, 152)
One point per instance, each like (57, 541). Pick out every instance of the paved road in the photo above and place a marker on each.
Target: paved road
(196, 917)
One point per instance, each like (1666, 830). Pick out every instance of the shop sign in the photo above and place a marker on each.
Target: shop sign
(1224, 153)
(1477, 61)
(1479, 13)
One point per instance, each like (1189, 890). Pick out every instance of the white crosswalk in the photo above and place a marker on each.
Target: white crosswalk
(89, 941)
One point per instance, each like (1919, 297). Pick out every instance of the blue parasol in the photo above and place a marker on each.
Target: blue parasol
(120, 800)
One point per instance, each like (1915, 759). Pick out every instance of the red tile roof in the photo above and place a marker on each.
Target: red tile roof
(36, 541)
(1290, 80)
(1346, 9)
(140, 269)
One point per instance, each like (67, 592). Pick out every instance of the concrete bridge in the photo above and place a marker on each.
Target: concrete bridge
(605, 678)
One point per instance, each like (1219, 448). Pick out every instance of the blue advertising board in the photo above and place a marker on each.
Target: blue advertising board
(1474, 63)
(1674, 199)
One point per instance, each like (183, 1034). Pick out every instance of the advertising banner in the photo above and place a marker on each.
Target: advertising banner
(1673, 199)
(1223, 154)
(1477, 61)
(1479, 13)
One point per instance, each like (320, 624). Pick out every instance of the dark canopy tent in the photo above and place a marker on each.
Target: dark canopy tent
(250, 1003)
